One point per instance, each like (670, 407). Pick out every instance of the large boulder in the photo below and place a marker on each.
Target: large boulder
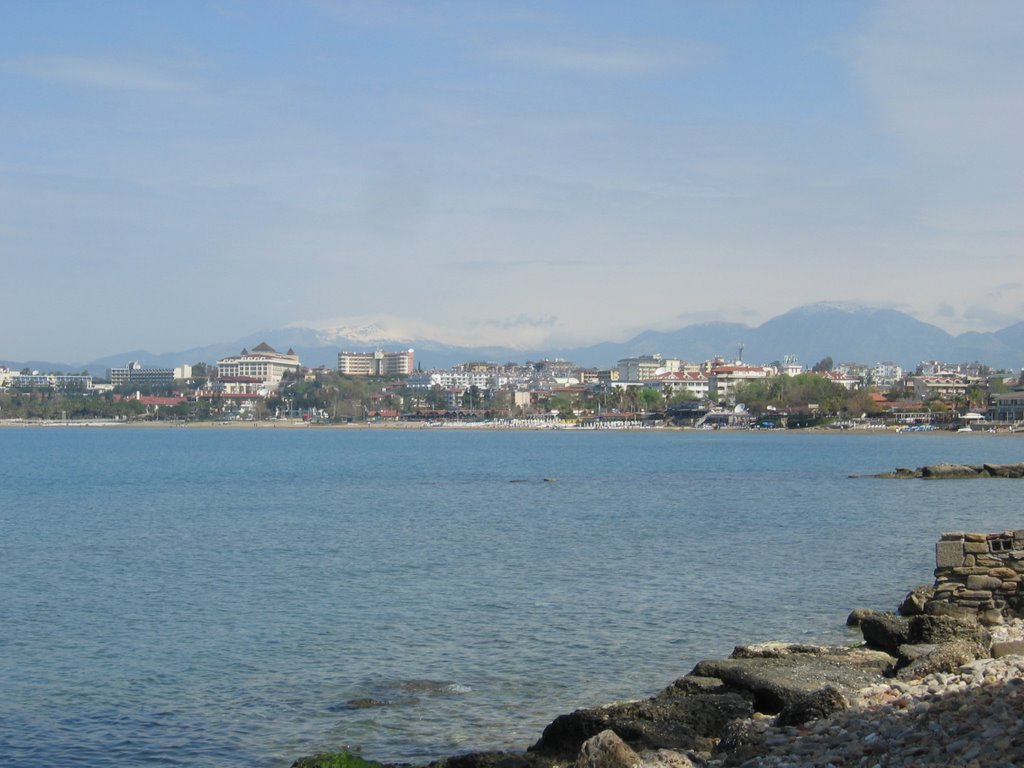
(945, 629)
(919, 661)
(676, 719)
(779, 675)
(815, 705)
(885, 631)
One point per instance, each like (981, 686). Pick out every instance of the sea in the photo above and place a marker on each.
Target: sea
(247, 596)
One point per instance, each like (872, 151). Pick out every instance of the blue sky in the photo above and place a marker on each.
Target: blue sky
(175, 174)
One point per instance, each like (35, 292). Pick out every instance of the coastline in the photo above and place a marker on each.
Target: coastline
(786, 705)
(938, 682)
(297, 424)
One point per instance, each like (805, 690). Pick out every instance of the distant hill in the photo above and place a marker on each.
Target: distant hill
(843, 332)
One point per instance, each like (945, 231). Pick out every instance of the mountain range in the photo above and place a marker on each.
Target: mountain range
(845, 333)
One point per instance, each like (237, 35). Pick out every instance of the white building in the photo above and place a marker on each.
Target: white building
(39, 380)
(264, 364)
(693, 382)
(378, 363)
(138, 375)
(725, 378)
(886, 374)
(451, 379)
(646, 367)
(846, 380)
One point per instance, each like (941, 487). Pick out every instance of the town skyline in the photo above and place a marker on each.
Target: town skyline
(550, 174)
(849, 333)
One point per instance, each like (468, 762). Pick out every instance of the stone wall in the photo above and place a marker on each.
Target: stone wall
(979, 574)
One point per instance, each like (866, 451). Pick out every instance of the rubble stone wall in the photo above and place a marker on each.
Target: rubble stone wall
(980, 574)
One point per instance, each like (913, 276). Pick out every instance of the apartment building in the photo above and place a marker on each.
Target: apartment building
(377, 363)
(136, 375)
(646, 367)
(724, 379)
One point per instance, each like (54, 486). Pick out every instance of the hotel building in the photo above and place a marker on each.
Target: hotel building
(379, 363)
(263, 364)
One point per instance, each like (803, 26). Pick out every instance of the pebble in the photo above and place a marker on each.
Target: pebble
(972, 717)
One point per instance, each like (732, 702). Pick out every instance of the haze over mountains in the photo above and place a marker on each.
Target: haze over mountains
(844, 332)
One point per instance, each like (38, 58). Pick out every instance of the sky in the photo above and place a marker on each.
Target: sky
(174, 174)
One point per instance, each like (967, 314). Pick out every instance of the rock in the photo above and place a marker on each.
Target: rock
(952, 610)
(1005, 470)
(857, 615)
(780, 680)
(943, 629)
(674, 719)
(1008, 648)
(915, 601)
(949, 471)
(885, 631)
(484, 760)
(991, 618)
(606, 750)
(813, 706)
(741, 741)
(945, 657)
(335, 760)
(666, 758)
(906, 472)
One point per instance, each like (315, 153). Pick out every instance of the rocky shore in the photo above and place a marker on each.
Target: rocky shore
(928, 686)
(954, 472)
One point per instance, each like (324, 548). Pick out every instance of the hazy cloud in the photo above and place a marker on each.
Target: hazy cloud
(635, 59)
(99, 73)
(944, 78)
(485, 265)
(520, 321)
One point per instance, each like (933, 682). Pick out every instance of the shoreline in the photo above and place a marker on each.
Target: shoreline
(295, 424)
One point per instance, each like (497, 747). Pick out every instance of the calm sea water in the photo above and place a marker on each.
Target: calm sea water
(220, 597)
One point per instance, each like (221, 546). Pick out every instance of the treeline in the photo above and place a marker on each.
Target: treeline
(804, 392)
(48, 405)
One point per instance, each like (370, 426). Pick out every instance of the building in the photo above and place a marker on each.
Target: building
(378, 363)
(845, 380)
(695, 383)
(1008, 407)
(724, 378)
(646, 367)
(451, 379)
(36, 380)
(886, 374)
(942, 387)
(134, 374)
(263, 364)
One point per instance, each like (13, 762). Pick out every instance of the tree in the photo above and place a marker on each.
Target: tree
(563, 404)
(681, 396)
(651, 399)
